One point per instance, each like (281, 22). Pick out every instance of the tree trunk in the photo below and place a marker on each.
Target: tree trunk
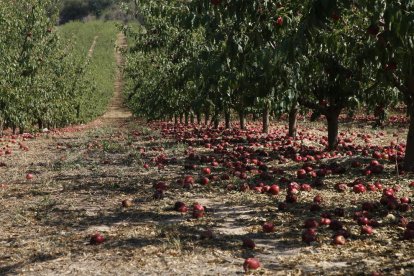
(206, 118)
(192, 118)
(266, 114)
(227, 118)
(409, 152)
(1, 127)
(39, 124)
(333, 124)
(254, 116)
(181, 118)
(216, 119)
(242, 119)
(293, 121)
(186, 118)
(136, 9)
(216, 122)
(175, 120)
(198, 115)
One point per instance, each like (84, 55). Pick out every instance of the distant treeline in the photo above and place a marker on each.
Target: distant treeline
(80, 9)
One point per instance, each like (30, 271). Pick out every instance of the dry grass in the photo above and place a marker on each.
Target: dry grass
(81, 176)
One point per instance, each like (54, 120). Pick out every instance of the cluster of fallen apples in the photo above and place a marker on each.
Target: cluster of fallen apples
(13, 143)
(240, 160)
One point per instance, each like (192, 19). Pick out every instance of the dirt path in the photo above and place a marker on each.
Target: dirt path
(92, 48)
(117, 112)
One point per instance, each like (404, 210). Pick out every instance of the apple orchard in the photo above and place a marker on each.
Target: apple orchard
(272, 58)
(255, 136)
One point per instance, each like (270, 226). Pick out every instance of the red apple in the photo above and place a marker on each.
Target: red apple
(251, 264)
(339, 240)
(359, 188)
(279, 21)
(206, 170)
(291, 198)
(127, 203)
(204, 180)
(363, 221)
(188, 180)
(366, 229)
(389, 192)
(306, 187)
(198, 210)
(301, 173)
(268, 227)
(161, 186)
(182, 209)
(325, 221)
(309, 235)
(248, 243)
(178, 205)
(274, 189)
(311, 223)
(317, 199)
(97, 238)
(372, 188)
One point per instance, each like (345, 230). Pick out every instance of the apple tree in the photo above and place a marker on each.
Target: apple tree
(332, 74)
(390, 33)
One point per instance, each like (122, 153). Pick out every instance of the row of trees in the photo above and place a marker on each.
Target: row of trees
(214, 57)
(74, 10)
(78, 9)
(42, 80)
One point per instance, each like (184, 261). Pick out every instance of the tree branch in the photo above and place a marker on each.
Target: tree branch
(309, 104)
(397, 83)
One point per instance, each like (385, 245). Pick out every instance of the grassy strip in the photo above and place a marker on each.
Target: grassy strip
(102, 65)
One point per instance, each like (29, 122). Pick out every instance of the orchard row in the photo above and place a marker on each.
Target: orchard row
(220, 58)
(47, 81)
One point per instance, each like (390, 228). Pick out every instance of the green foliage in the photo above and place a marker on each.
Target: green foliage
(198, 57)
(100, 69)
(330, 55)
(157, 67)
(33, 70)
(43, 81)
(71, 10)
